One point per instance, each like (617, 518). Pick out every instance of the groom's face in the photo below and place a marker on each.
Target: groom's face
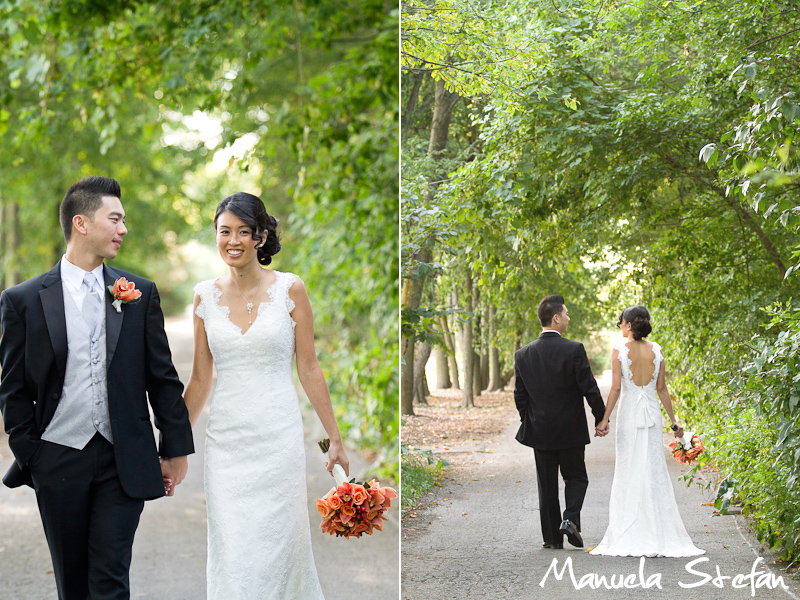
(561, 320)
(104, 233)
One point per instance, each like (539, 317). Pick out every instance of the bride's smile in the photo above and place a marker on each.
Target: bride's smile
(236, 242)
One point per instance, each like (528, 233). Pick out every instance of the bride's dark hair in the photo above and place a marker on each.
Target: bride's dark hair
(251, 210)
(639, 319)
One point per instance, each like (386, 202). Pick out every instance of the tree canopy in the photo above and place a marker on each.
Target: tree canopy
(617, 153)
(185, 102)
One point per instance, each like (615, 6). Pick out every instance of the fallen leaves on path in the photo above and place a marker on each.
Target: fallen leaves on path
(445, 426)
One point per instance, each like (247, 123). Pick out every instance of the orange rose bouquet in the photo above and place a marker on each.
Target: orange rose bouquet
(124, 293)
(686, 449)
(352, 509)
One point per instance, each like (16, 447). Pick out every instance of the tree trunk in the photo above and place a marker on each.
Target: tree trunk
(485, 350)
(411, 102)
(422, 392)
(450, 344)
(443, 104)
(422, 354)
(407, 377)
(477, 383)
(466, 392)
(442, 368)
(410, 297)
(477, 379)
(494, 352)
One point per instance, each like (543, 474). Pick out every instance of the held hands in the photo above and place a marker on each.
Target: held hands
(677, 432)
(336, 454)
(173, 470)
(602, 429)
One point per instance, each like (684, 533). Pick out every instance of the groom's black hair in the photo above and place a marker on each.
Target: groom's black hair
(552, 305)
(84, 198)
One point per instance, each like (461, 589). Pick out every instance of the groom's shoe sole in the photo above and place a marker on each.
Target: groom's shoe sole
(573, 535)
(553, 546)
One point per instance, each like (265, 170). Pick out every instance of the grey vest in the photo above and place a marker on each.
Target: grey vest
(83, 407)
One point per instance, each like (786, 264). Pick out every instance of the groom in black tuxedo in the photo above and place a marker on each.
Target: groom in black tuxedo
(553, 377)
(77, 374)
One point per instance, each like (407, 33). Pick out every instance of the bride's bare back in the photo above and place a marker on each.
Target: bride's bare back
(643, 361)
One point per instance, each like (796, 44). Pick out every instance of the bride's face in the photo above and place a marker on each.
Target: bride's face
(235, 241)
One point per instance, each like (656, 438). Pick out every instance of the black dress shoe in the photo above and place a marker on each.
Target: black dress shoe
(573, 535)
(553, 546)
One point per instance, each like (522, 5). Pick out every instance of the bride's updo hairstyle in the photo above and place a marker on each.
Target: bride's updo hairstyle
(250, 209)
(639, 319)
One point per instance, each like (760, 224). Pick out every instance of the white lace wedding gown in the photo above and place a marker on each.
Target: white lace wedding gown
(643, 515)
(259, 539)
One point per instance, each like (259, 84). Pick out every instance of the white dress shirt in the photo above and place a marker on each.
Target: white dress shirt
(73, 276)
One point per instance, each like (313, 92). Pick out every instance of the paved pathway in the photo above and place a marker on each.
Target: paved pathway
(169, 554)
(481, 539)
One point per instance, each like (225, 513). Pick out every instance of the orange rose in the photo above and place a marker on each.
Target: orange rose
(124, 291)
(323, 508)
(334, 502)
(359, 494)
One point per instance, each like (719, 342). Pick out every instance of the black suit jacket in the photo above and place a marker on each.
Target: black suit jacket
(552, 378)
(33, 355)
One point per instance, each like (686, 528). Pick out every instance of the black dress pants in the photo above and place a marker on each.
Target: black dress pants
(573, 469)
(89, 521)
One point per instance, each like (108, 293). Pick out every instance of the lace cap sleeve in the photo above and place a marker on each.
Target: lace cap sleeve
(290, 278)
(202, 289)
(659, 356)
(622, 355)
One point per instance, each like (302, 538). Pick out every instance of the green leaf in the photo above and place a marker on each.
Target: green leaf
(708, 154)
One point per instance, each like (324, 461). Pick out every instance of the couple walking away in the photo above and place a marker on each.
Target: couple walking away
(79, 367)
(553, 377)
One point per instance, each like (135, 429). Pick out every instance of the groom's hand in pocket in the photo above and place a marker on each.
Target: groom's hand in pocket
(173, 469)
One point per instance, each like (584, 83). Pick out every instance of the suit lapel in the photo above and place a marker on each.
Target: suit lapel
(52, 298)
(113, 318)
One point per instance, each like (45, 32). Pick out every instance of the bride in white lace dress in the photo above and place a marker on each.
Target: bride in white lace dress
(643, 514)
(252, 324)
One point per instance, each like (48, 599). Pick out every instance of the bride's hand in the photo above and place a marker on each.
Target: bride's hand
(678, 432)
(336, 454)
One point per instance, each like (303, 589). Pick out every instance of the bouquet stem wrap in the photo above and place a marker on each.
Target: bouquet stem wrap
(339, 476)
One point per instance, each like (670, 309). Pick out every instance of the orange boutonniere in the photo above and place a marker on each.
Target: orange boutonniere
(124, 293)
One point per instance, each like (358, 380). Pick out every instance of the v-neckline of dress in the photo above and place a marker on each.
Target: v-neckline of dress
(227, 312)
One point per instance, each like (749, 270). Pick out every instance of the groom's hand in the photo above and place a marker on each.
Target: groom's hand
(602, 429)
(173, 470)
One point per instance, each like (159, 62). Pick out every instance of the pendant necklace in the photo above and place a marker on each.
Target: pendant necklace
(249, 304)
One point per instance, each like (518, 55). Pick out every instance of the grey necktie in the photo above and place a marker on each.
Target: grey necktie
(91, 302)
